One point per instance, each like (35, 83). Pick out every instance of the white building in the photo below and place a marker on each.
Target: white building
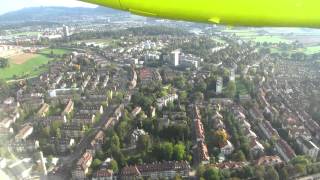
(163, 101)
(219, 85)
(175, 57)
(66, 32)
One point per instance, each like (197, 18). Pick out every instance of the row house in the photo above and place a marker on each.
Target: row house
(85, 119)
(199, 130)
(27, 146)
(256, 147)
(119, 111)
(230, 165)
(268, 130)
(269, 161)
(202, 153)
(136, 111)
(256, 114)
(47, 121)
(133, 82)
(69, 108)
(91, 109)
(72, 131)
(6, 132)
(159, 170)
(81, 168)
(103, 174)
(284, 149)
(148, 75)
(33, 103)
(24, 133)
(6, 122)
(43, 110)
(62, 145)
(97, 142)
(308, 147)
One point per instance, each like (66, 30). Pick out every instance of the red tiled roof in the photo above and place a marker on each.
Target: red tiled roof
(267, 160)
(199, 129)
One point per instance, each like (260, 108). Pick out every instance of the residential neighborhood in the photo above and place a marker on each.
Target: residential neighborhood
(131, 98)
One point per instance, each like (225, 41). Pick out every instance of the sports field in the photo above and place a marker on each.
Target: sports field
(28, 65)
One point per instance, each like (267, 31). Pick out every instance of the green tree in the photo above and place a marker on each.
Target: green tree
(163, 151)
(144, 143)
(115, 142)
(239, 156)
(96, 163)
(179, 152)
(259, 172)
(114, 165)
(4, 62)
(284, 175)
(271, 174)
(211, 174)
(230, 90)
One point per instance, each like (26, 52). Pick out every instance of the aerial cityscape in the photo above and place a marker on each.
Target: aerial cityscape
(95, 93)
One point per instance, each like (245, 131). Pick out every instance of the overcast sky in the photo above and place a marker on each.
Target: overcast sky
(12, 5)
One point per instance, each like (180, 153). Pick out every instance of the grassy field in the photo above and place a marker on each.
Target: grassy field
(256, 37)
(55, 51)
(311, 50)
(29, 68)
(270, 39)
(33, 66)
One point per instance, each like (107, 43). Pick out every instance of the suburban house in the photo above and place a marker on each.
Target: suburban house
(227, 149)
(256, 147)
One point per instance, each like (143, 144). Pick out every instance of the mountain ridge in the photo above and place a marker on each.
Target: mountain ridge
(48, 13)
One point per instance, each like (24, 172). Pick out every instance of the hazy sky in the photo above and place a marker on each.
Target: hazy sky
(12, 5)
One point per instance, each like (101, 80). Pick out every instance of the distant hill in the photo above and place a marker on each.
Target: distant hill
(54, 13)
